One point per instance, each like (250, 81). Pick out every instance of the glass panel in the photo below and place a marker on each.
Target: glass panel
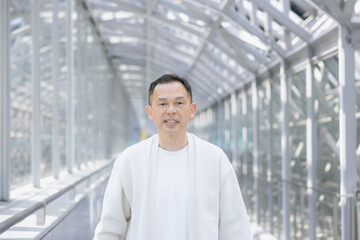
(241, 142)
(249, 176)
(62, 82)
(227, 132)
(276, 144)
(263, 184)
(20, 92)
(326, 108)
(357, 114)
(46, 85)
(297, 127)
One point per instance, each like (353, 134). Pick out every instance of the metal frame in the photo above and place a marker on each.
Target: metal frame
(55, 157)
(36, 115)
(244, 139)
(285, 150)
(347, 124)
(256, 148)
(271, 61)
(269, 152)
(311, 148)
(4, 100)
(234, 127)
(42, 204)
(70, 86)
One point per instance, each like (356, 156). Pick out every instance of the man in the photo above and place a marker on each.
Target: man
(173, 186)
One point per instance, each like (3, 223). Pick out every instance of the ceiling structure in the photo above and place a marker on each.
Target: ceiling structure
(218, 45)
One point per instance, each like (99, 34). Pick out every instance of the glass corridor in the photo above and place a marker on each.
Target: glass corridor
(277, 83)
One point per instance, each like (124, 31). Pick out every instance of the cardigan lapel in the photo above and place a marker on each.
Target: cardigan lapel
(192, 188)
(152, 188)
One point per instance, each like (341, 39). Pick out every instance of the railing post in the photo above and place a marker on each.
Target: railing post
(4, 100)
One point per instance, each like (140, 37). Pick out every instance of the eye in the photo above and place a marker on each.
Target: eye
(162, 104)
(179, 103)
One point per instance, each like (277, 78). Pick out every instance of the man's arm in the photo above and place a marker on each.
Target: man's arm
(116, 211)
(234, 222)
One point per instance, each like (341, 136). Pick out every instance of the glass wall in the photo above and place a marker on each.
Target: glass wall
(276, 180)
(96, 135)
(297, 139)
(326, 107)
(326, 162)
(20, 92)
(263, 113)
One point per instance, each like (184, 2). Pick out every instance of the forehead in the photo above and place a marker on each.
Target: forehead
(170, 89)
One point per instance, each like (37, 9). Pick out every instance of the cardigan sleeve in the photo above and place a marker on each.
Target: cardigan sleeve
(116, 210)
(233, 220)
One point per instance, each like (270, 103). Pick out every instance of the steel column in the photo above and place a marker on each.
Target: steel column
(269, 154)
(311, 149)
(55, 105)
(79, 87)
(245, 143)
(285, 151)
(36, 115)
(4, 100)
(347, 125)
(234, 126)
(256, 148)
(219, 127)
(70, 85)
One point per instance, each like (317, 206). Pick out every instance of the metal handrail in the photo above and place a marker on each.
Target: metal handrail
(11, 221)
(297, 184)
(48, 229)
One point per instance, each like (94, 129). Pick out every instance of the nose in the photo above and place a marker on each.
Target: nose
(171, 109)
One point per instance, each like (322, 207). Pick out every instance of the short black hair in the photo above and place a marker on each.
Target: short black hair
(166, 78)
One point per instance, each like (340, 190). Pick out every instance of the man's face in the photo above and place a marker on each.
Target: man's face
(171, 108)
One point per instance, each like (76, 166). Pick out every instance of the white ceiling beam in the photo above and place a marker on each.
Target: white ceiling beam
(284, 20)
(197, 15)
(236, 42)
(203, 16)
(154, 45)
(215, 26)
(235, 19)
(244, 23)
(341, 11)
(240, 56)
(108, 33)
(123, 6)
(223, 65)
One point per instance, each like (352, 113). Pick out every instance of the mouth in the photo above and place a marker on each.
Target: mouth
(171, 121)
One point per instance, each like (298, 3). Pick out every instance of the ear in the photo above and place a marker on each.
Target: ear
(149, 112)
(192, 110)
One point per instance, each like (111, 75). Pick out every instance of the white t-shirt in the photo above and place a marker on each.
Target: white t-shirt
(172, 195)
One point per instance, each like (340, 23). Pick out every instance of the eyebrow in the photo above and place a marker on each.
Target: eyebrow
(164, 99)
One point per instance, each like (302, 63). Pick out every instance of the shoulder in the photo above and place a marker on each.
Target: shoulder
(213, 157)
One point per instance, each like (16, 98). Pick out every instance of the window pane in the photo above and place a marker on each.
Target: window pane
(326, 108)
(20, 92)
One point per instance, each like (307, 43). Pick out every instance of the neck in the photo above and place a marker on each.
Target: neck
(173, 142)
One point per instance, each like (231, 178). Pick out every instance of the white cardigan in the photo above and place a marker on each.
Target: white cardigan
(216, 208)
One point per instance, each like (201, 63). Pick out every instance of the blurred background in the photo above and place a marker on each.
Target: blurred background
(277, 84)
